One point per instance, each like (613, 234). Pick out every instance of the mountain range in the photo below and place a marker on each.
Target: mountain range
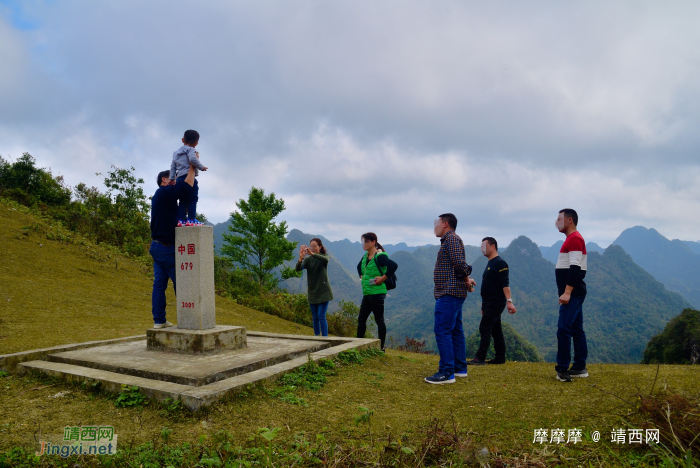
(675, 263)
(626, 305)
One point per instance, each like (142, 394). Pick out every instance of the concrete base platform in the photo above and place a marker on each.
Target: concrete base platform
(211, 341)
(133, 358)
(196, 381)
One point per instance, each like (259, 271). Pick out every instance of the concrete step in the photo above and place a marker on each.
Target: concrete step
(109, 381)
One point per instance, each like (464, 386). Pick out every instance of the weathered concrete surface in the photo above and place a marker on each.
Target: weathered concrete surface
(214, 340)
(197, 398)
(109, 381)
(193, 397)
(194, 273)
(11, 362)
(188, 369)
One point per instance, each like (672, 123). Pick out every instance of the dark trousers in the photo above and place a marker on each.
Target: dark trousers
(449, 334)
(372, 304)
(188, 209)
(163, 269)
(571, 326)
(491, 326)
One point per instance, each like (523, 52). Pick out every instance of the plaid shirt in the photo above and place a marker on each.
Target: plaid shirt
(451, 268)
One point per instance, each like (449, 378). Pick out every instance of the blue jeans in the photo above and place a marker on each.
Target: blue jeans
(449, 334)
(318, 312)
(163, 268)
(188, 210)
(571, 326)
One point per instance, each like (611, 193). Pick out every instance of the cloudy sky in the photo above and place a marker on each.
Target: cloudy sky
(374, 115)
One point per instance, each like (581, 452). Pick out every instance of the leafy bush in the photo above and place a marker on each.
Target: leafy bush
(30, 185)
(678, 343)
(119, 216)
(129, 397)
(343, 322)
(414, 346)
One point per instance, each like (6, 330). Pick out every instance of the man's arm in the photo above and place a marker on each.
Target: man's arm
(183, 191)
(455, 250)
(574, 276)
(509, 305)
(504, 281)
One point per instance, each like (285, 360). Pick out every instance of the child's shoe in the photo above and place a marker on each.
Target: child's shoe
(189, 223)
(179, 223)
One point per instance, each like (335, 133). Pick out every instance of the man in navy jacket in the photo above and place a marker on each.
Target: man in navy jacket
(164, 205)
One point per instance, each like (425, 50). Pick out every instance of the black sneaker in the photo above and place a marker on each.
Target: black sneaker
(563, 376)
(476, 362)
(440, 378)
(496, 361)
(578, 373)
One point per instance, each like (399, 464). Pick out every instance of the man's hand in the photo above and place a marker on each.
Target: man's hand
(379, 280)
(172, 182)
(564, 298)
(205, 168)
(471, 284)
(511, 308)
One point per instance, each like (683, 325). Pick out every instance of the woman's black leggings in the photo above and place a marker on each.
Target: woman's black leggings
(372, 304)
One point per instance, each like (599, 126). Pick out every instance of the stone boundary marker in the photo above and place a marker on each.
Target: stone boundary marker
(191, 397)
(198, 362)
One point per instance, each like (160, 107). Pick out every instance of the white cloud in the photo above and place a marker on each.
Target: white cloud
(376, 116)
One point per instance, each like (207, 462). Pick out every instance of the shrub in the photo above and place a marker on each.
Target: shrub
(414, 346)
(678, 343)
(343, 322)
(29, 185)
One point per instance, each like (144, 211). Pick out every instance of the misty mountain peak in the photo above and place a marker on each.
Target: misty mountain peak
(523, 246)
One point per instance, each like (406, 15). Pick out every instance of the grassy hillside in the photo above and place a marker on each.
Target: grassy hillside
(63, 292)
(56, 292)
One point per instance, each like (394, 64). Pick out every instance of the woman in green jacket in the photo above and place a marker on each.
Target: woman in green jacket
(314, 260)
(373, 263)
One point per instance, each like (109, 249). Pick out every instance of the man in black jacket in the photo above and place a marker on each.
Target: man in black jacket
(495, 296)
(163, 225)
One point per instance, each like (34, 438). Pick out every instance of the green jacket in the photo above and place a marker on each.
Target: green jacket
(319, 288)
(370, 270)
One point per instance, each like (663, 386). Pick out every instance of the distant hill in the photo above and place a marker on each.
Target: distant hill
(552, 253)
(625, 307)
(673, 262)
(517, 347)
(694, 246)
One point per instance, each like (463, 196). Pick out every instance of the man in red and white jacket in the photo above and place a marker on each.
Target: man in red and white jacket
(570, 272)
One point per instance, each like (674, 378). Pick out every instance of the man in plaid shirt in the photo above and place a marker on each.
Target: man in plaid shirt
(452, 283)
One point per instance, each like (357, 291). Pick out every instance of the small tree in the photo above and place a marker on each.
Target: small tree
(255, 242)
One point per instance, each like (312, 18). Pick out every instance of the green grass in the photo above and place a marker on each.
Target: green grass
(59, 293)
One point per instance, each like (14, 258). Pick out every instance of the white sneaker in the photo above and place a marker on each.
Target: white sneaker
(461, 374)
(163, 325)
